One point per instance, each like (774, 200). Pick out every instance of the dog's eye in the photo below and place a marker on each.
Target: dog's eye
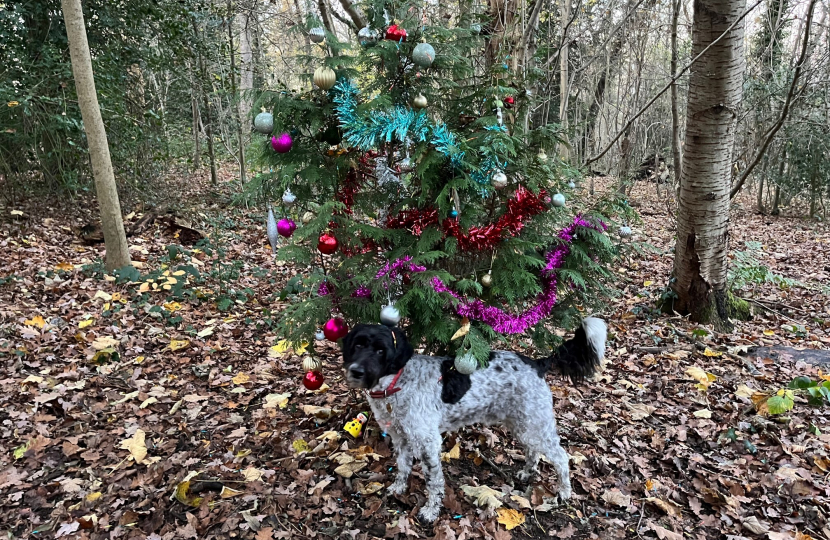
(359, 346)
(379, 352)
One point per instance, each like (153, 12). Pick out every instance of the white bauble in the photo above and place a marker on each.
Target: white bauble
(288, 198)
(572, 184)
(499, 180)
(625, 232)
(319, 336)
(389, 315)
(466, 364)
(558, 200)
(542, 156)
(317, 35)
(264, 123)
(311, 364)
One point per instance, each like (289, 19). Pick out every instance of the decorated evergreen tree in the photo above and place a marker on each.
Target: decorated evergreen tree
(422, 198)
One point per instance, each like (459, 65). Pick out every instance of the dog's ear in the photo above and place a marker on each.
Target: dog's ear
(348, 342)
(402, 350)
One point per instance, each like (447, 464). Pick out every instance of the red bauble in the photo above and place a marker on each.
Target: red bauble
(509, 101)
(313, 380)
(327, 244)
(335, 329)
(396, 33)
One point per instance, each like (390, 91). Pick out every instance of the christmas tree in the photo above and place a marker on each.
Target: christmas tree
(425, 196)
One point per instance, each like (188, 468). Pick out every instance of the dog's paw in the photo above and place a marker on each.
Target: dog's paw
(397, 488)
(564, 493)
(429, 513)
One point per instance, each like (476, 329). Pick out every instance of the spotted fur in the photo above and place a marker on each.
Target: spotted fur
(433, 399)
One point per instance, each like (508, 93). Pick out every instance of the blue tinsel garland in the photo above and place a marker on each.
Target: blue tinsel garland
(399, 123)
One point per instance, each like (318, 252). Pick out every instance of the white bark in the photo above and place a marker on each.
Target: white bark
(118, 254)
(715, 93)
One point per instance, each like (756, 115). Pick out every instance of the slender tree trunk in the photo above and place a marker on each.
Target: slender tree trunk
(700, 262)
(564, 151)
(760, 200)
(118, 254)
(235, 95)
(675, 117)
(776, 198)
(247, 20)
(194, 109)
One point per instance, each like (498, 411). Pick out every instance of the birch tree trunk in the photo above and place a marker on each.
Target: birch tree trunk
(564, 150)
(675, 117)
(700, 261)
(118, 254)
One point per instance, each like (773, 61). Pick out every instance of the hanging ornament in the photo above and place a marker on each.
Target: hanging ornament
(499, 116)
(308, 217)
(335, 329)
(389, 315)
(558, 200)
(475, 28)
(499, 180)
(509, 101)
(313, 380)
(419, 101)
(324, 77)
(625, 232)
(395, 33)
(264, 123)
(282, 143)
(317, 35)
(327, 244)
(355, 426)
(273, 230)
(286, 227)
(572, 184)
(384, 174)
(487, 280)
(542, 156)
(423, 55)
(319, 335)
(367, 37)
(466, 364)
(288, 199)
(311, 364)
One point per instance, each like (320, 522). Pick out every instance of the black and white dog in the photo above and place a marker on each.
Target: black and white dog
(417, 398)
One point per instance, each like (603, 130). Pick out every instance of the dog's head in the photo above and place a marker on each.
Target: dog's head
(372, 351)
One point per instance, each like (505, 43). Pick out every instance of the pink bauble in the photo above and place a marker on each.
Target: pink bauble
(282, 143)
(335, 329)
(286, 227)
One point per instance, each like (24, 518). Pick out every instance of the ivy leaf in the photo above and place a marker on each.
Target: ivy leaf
(781, 402)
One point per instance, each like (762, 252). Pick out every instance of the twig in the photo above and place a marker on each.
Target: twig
(768, 308)
(663, 90)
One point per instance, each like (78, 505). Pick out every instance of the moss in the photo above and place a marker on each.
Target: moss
(738, 308)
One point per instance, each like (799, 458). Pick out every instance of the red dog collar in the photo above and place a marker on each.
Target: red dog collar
(391, 389)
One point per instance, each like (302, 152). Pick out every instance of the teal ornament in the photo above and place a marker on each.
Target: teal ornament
(466, 364)
(368, 37)
(454, 213)
(264, 123)
(423, 55)
(558, 200)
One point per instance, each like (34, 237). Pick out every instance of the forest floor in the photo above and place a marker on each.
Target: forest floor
(156, 404)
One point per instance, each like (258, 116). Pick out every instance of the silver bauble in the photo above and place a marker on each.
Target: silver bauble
(487, 280)
(466, 364)
(319, 335)
(499, 180)
(308, 217)
(271, 228)
(625, 232)
(264, 123)
(317, 35)
(389, 315)
(572, 184)
(558, 200)
(475, 28)
(311, 364)
(368, 37)
(423, 55)
(288, 198)
(420, 102)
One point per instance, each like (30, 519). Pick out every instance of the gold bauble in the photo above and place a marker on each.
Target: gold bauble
(324, 77)
(308, 217)
(311, 364)
(420, 102)
(487, 280)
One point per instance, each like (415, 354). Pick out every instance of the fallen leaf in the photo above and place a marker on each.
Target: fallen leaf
(184, 496)
(272, 401)
(454, 453)
(105, 342)
(37, 320)
(252, 474)
(347, 470)
(703, 413)
(241, 378)
(701, 376)
(178, 344)
(84, 324)
(709, 352)
(510, 518)
(617, 498)
(769, 332)
(754, 526)
(227, 492)
(370, 488)
(744, 391)
(648, 283)
(483, 496)
(665, 534)
(106, 297)
(136, 446)
(665, 506)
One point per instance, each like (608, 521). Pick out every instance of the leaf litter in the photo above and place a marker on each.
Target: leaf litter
(148, 406)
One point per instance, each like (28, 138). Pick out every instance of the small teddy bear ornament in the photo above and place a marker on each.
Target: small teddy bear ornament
(355, 426)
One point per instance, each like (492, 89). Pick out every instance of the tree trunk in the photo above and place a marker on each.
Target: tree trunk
(775, 200)
(760, 199)
(118, 254)
(564, 151)
(194, 109)
(699, 280)
(675, 117)
(247, 20)
(235, 95)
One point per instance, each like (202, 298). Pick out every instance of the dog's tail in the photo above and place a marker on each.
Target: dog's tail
(581, 356)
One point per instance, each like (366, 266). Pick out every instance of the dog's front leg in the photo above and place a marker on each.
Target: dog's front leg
(431, 464)
(404, 456)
